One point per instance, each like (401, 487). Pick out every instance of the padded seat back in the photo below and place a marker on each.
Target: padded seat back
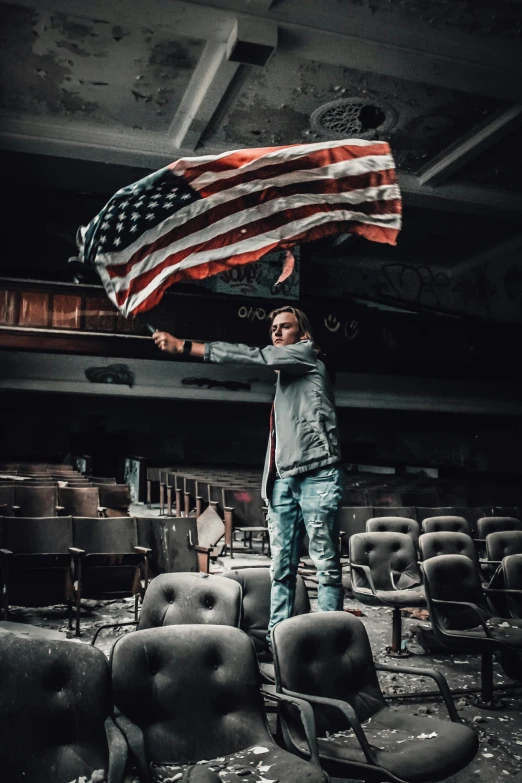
(180, 599)
(39, 571)
(37, 535)
(193, 690)
(448, 523)
(446, 542)
(79, 501)
(328, 654)
(505, 542)
(110, 566)
(487, 525)
(116, 498)
(35, 501)
(453, 578)
(55, 699)
(391, 558)
(110, 536)
(394, 525)
(255, 588)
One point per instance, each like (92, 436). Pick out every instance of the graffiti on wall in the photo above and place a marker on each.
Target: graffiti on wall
(258, 279)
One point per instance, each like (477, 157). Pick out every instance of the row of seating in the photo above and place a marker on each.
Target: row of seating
(186, 694)
(388, 566)
(60, 560)
(43, 501)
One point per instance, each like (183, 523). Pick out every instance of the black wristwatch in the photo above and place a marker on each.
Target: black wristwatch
(187, 347)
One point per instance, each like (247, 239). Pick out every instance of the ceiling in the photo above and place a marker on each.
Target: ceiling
(94, 95)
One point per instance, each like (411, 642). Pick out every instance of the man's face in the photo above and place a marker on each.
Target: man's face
(285, 330)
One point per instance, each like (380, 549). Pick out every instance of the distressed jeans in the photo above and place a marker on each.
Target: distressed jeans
(307, 502)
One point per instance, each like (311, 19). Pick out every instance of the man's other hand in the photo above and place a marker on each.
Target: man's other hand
(166, 342)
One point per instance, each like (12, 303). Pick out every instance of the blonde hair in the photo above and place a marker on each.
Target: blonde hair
(301, 318)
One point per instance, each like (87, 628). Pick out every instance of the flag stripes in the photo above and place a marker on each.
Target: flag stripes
(201, 216)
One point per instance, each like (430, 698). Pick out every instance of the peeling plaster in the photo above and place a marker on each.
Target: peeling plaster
(279, 100)
(501, 19)
(67, 66)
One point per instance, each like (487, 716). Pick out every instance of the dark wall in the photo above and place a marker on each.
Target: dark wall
(40, 425)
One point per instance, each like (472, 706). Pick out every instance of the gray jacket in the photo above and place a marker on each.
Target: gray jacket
(307, 436)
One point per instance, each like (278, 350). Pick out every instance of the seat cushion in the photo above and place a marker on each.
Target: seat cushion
(412, 748)
(413, 597)
(261, 762)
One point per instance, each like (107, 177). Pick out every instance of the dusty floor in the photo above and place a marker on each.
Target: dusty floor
(500, 731)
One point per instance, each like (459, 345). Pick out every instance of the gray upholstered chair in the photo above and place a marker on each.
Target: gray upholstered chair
(190, 694)
(55, 723)
(385, 572)
(325, 658)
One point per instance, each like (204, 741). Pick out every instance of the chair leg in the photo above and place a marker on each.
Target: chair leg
(149, 493)
(136, 599)
(69, 614)
(487, 699)
(162, 499)
(396, 651)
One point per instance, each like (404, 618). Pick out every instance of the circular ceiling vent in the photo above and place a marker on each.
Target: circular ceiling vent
(354, 118)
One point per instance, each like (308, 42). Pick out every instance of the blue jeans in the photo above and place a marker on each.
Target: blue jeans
(309, 501)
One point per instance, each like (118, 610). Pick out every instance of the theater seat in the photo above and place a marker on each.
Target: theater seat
(179, 599)
(325, 658)
(394, 525)
(54, 713)
(186, 598)
(463, 621)
(255, 587)
(385, 572)
(451, 524)
(447, 542)
(191, 694)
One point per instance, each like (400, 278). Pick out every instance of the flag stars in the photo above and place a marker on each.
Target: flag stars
(150, 216)
(135, 217)
(117, 241)
(119, 228)
(133, 228)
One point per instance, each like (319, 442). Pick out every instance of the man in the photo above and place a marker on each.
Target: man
(302, 479)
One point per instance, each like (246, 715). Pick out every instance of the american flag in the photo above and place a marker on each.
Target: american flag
(200, 216)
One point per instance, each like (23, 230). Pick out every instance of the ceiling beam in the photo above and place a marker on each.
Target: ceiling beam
(334, 33)
(155, 150)
(461, 197)
(470, 146)
(210, 81)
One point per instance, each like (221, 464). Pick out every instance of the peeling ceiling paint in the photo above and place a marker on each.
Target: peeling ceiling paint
(502, 19)
(70, 67)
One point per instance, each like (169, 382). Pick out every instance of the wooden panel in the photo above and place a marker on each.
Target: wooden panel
(8, 307)
(98, 314)
(66, 311)
(34, 309)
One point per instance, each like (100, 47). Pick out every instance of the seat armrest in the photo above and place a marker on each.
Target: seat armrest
(479, 612)
(102, 511)
(110, 625)
(117, 752)
(494, 589)
(307, 719)
(435, 675)
(135, 742)
(75, 552)
(59, 510)
(5, 552)
(368, 574)
(142, 550)
(348, 712)
(490, 562)
(200, 548)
